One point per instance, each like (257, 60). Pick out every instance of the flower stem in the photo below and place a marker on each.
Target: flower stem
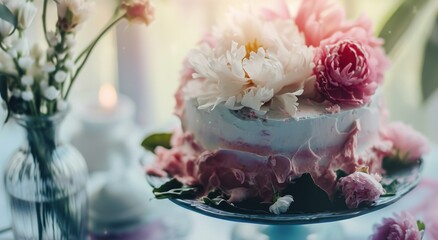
(44, 20)
(88, 52)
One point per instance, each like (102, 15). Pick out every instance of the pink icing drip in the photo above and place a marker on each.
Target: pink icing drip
(245, 174)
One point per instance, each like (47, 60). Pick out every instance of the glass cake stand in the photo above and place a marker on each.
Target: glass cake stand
(298, 225)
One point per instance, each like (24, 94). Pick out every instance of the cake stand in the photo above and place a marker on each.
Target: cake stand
(299, 225)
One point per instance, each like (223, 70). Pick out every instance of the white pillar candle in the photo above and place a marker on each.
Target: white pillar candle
(105, 121)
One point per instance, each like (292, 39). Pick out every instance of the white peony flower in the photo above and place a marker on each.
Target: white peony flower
(51, 93)
(287, 102)
(27, 80)
(257, 64)
(281, 205)
(27, 95)
(255, 98)
(5, 28)
(26, 14)
(60, 76)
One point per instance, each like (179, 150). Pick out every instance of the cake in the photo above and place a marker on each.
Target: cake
(272, 97)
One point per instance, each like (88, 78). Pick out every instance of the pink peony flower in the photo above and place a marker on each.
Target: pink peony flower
(343, 74)
(403, 226)
(138, 10)
(360, 188)
(361, 31)
(179, 161)
(319, 19)
(406, 141)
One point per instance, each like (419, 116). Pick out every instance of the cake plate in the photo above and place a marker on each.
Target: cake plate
(408, 180)
(297, 223)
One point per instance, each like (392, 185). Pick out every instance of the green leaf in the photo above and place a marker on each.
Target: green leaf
(175, 189)
(421, 225)
(8, 16)
(155, 140)
(399, 22)
(429, 78)
(222, 204)
(391, 189)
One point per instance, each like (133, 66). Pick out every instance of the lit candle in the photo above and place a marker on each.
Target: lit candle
(105, 119)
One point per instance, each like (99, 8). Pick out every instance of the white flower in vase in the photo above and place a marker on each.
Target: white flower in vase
(5, 28)
(72, 13)
(26, 13)
(51, 93)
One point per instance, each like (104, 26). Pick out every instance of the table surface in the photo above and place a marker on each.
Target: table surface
(209, 228)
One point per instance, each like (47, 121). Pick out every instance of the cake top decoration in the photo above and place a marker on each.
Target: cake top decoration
(269, 60)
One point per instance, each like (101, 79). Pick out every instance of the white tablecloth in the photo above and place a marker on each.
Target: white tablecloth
(214, 229)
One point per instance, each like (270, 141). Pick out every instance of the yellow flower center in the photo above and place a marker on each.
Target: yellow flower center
(252, 47)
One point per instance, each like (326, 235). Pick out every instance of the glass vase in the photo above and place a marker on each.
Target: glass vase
(46, 183)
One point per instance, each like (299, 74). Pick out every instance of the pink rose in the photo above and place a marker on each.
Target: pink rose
(360, 188)
(319, 19)
(406, 141)
(403, 226)
(138, 10)
(343, 74)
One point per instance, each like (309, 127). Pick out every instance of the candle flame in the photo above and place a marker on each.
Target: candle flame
(107, 96)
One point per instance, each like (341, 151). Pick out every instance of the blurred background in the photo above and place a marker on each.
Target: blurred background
(144, 64)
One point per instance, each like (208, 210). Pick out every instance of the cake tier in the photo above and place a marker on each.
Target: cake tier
(313, 128)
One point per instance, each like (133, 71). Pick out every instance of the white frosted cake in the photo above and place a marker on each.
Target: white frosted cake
(269, 98)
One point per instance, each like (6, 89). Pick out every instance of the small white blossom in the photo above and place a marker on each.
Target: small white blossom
(70, 65)
(27, 95)
(281, 205)
(61, 104)
(26, 62)
(36, 51)
(50, 52)
(13, 53)
(27, 80)
(44, 84)
(60, 76)
(51, 93)
(54, 38)
(70, 40)
(21, 46)
(5, 28)
(61, 55)
(16, 93)
(26, 14)
(49, 67)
